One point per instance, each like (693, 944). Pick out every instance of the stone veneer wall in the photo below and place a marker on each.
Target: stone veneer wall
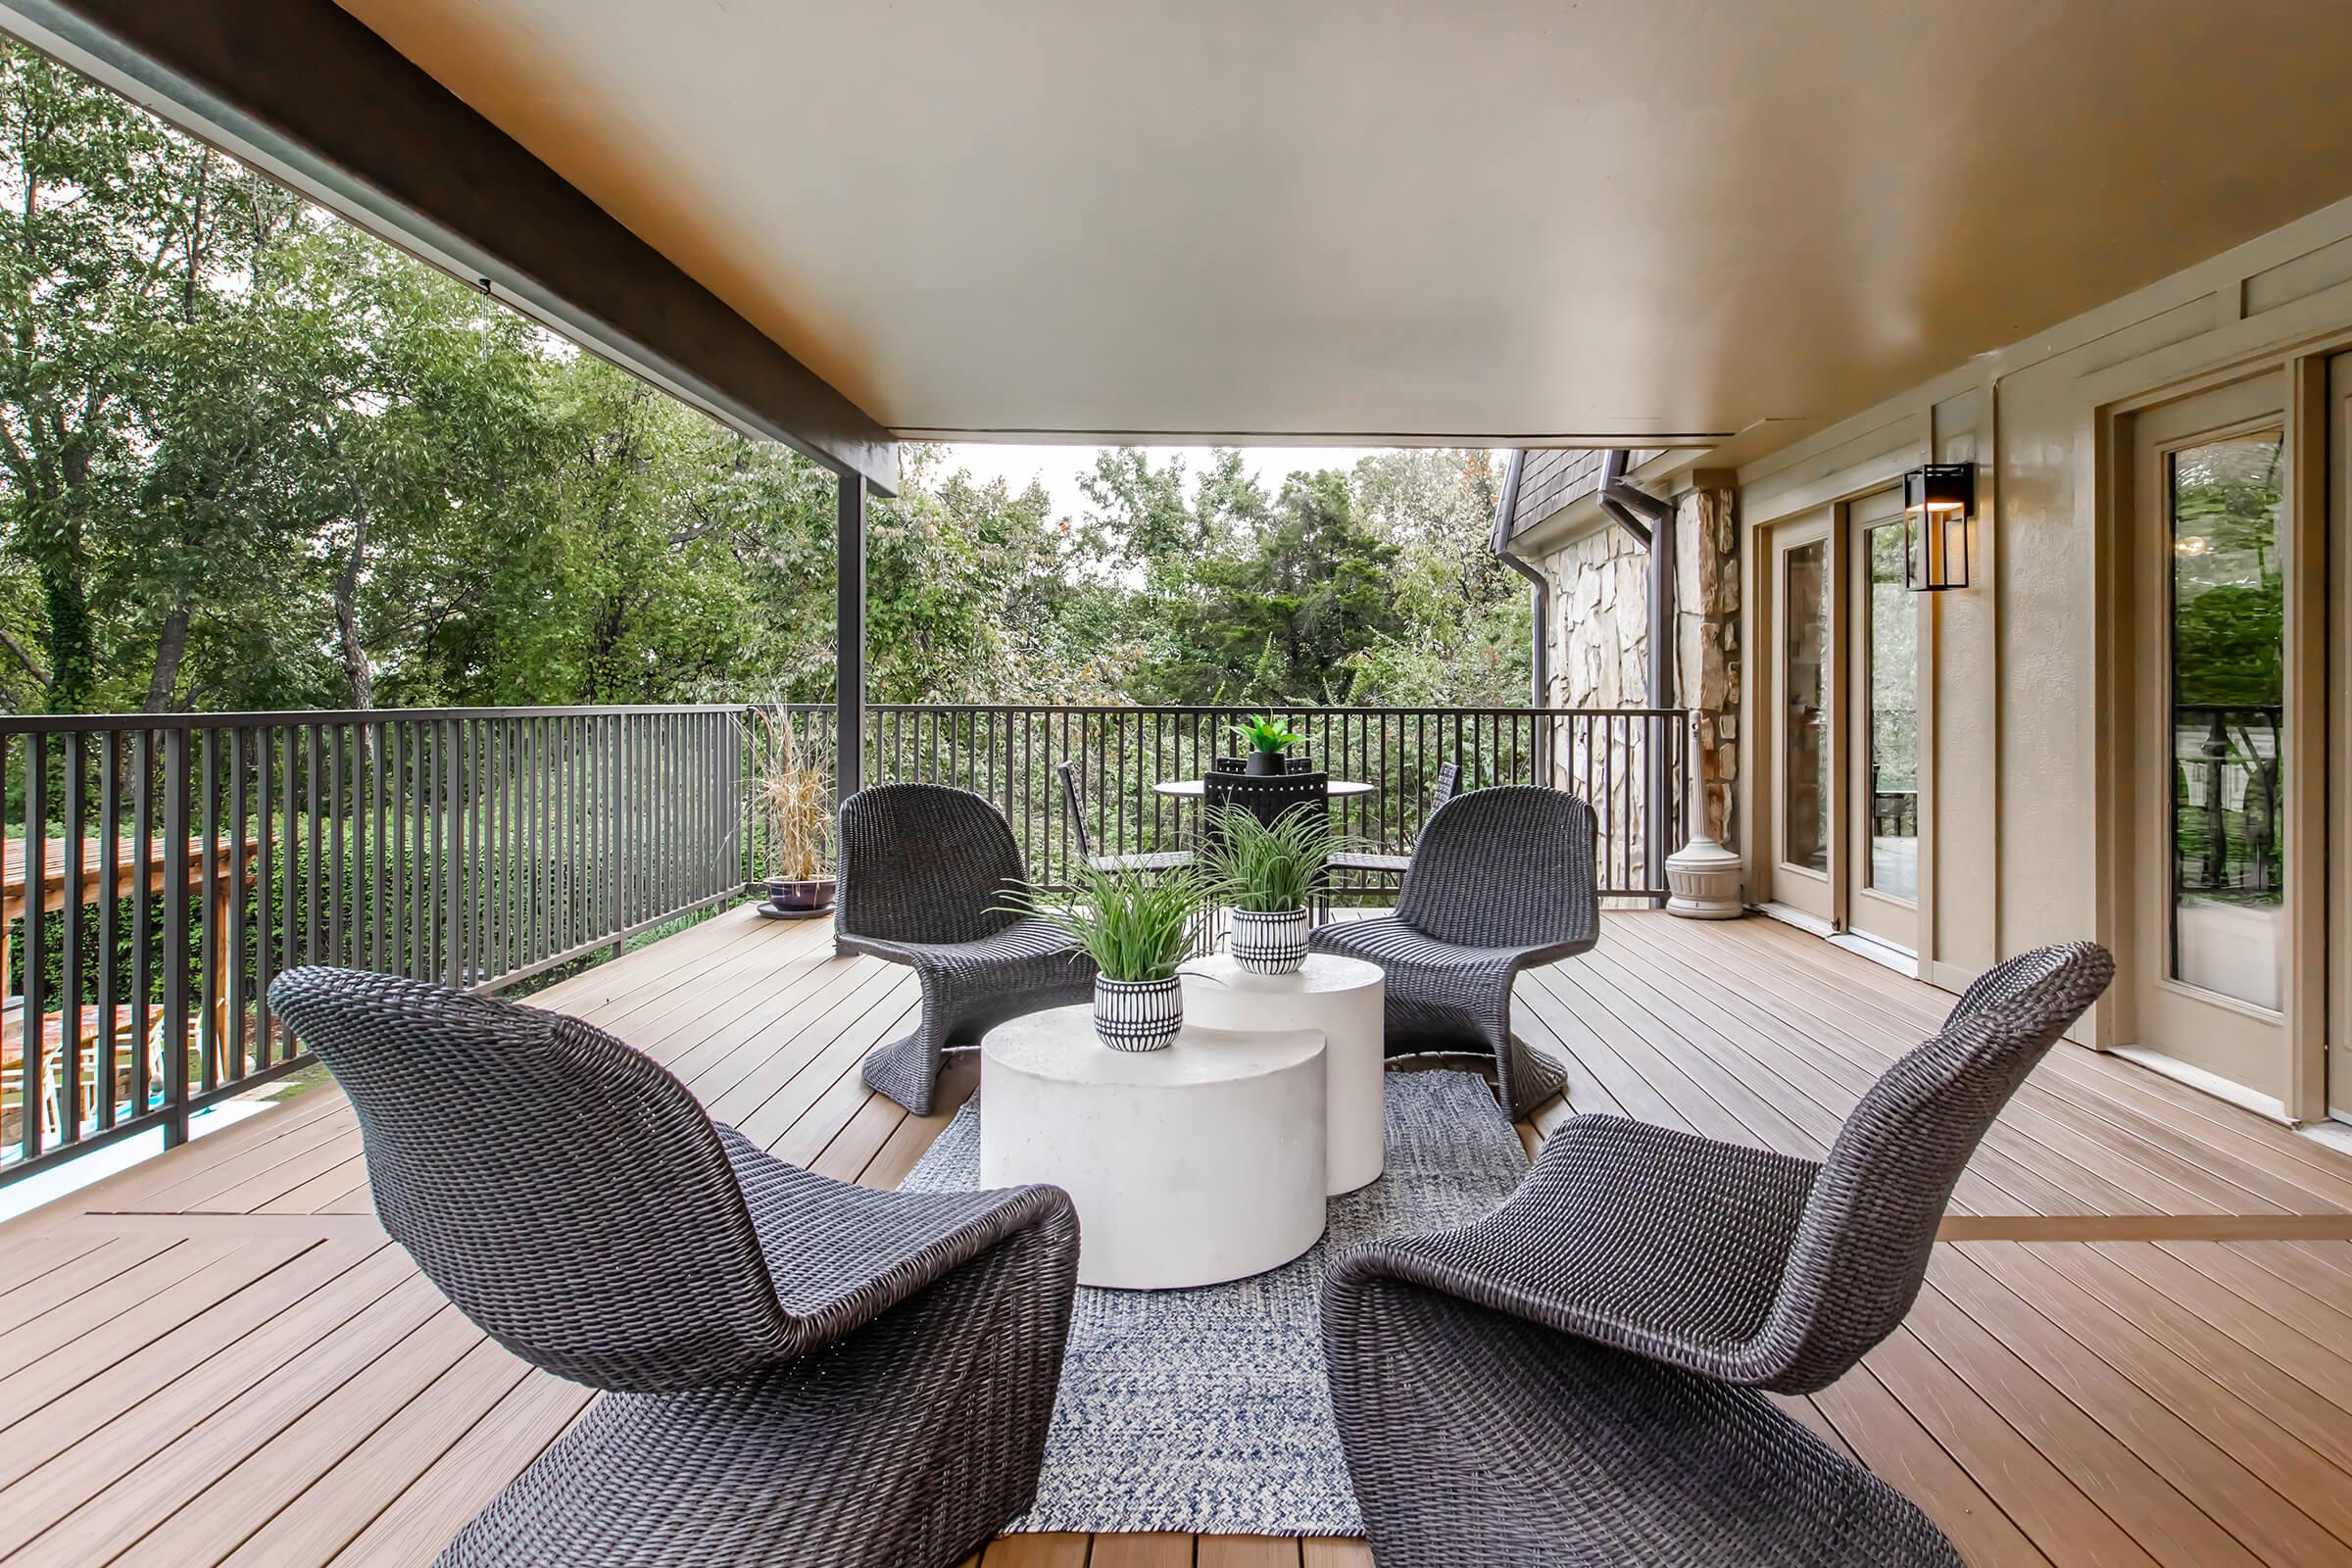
(1600, 622)
(1706, 663)
(1600, 660)
(1599, 639)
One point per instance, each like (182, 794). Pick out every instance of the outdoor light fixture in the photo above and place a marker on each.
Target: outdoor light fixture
(1937, 502)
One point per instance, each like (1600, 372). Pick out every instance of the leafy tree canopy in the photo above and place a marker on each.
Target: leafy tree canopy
(253, 457)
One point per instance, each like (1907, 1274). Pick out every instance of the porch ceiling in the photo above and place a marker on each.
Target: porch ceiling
(1509, 220)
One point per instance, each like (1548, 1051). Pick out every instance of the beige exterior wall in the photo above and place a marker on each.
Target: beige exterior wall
(2018, 701)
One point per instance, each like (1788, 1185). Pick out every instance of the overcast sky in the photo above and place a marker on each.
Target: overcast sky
(1061, 466)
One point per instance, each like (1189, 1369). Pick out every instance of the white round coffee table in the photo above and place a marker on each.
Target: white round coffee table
(1344, 1000)
(1191, 1165)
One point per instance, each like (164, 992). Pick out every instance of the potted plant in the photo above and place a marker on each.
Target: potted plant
(1267, 738)
(1268, 875)
(1138, 928)
(795, 794)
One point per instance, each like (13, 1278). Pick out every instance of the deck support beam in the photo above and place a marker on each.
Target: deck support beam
(849, 644)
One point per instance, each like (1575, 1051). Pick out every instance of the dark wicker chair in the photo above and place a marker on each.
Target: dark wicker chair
(1265, 796)
(1501, 879)
(799, 1370)
(1571, 1378)
(1440, 791)
(1074, 798)
(925, 874)
(1291, 762)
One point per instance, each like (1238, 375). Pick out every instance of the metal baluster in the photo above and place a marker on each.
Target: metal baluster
(68, 997)
(265, 950)
(110, 905)
(142, 880)
(209, 936)
(176, 936)
(331, 738)
(315, 875)
(235, 978)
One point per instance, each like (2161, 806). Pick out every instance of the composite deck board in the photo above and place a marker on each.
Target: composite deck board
(2135, 1349)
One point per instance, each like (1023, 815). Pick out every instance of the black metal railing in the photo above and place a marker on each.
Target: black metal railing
(1629, 762)
(186, 861)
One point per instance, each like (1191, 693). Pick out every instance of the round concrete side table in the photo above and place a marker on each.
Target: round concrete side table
(1342, 998)
(1191, 1165)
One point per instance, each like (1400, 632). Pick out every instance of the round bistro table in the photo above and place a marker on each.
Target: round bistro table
(1343, 1000)
(1190, 788)
(1192, 1165)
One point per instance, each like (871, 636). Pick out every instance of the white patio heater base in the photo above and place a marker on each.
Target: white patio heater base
(1703, 878)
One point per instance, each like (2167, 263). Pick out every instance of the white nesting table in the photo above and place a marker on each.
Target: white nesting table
(1191, 1165)
(1342, 998)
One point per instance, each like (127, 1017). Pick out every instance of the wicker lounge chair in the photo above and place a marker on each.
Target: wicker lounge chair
(1073, 799)
(1266, 796)
(1440, 791)
(800, 1370)
(925, 871)
(1501, 879)
(1571, 1378)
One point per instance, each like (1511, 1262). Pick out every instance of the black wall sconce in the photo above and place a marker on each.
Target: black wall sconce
(1939, 500)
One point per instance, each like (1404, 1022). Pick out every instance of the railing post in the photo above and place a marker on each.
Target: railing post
(848, 635)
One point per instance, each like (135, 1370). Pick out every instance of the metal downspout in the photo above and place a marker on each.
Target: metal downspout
(1538, 586)
(1651, 520)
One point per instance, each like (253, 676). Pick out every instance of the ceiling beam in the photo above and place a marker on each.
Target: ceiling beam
(301, 90)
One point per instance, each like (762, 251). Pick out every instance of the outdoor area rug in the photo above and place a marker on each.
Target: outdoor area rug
(1205, 1411)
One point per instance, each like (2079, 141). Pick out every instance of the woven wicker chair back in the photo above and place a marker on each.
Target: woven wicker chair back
(1442, 788)
(1861, 1250)
(1505, 868)
(1265, 796)
(923, 862)
(566, 1192)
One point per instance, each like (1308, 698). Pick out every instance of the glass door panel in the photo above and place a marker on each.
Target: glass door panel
(1806, 779)
(2211, 679)
(1890, 651)
(1803, 708)
(2227, 673)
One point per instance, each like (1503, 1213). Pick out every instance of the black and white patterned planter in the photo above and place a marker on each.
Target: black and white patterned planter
(1138, 1014)
(1269, 944)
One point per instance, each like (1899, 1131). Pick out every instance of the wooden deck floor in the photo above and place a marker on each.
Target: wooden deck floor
(2135, 1346)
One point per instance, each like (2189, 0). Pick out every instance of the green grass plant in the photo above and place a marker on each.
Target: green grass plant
(1136, 925)
(1268, 871)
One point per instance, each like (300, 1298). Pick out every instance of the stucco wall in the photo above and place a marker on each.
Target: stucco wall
(2018, 816)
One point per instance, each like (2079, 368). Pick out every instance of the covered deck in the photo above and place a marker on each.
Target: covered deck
(2132, 1347)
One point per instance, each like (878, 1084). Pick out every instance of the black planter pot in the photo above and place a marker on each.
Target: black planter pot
(1264, 765)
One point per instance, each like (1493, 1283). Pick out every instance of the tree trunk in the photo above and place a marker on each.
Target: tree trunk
(356, 671)
(72, 662)
(169, 647)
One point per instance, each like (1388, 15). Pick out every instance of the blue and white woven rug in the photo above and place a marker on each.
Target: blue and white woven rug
(1205, 1411)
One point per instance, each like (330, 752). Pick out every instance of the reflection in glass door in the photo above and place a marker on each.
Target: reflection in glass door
(1806, 780)
(1883, 758)
(2228, 718)
(1804, 777)
(1892, 739)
